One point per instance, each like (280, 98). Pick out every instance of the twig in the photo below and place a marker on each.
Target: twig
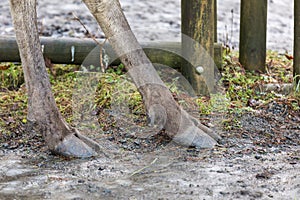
(142, 169)
(103, 68)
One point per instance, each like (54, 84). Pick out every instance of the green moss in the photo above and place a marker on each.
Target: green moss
(114, 89)
(79, 94)
(11, 76)
(242, 85)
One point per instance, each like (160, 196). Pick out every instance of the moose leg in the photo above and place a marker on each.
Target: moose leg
(162, 109)
(43, 113)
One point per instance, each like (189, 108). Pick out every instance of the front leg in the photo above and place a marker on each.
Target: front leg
(43, 114)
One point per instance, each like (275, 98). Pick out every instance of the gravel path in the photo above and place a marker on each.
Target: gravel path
(156, 20)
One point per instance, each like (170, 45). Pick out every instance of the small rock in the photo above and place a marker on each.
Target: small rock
(101, 168)
(258, 157)
(137, 142)
(93, 188)
(123, 141)
(5, 145)
(264, 175)
(81, 181)
(107, 192)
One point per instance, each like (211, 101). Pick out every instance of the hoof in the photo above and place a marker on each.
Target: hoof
(72, 146)
(195, 137)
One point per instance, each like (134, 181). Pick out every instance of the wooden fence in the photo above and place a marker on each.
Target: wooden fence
(253, 28)
(59, 51)
(199, 22)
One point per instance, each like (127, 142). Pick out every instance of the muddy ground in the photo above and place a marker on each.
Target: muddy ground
(259, 158)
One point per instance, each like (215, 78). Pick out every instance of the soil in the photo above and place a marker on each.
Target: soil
(258, 157)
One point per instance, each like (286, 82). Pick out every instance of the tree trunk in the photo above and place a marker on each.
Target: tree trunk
(198, 43)
(162, 109)
(43, 114)
(253, 34)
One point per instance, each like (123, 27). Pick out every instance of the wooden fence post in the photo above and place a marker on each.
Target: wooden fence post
(216, 20)
(297, 41)
(198, 43)
(253, 31)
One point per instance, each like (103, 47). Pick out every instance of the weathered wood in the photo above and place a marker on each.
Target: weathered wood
(58, 50)
(253, 30)
(216, 20)
(297, 41)
(218, 56)
(197, 43)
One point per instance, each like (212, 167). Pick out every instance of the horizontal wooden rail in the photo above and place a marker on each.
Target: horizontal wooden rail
(86, 52)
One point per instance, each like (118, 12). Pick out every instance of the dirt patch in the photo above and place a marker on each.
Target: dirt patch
(258, 159)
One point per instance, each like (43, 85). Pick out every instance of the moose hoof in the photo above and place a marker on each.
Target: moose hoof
(195, 137)
(72, 146)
